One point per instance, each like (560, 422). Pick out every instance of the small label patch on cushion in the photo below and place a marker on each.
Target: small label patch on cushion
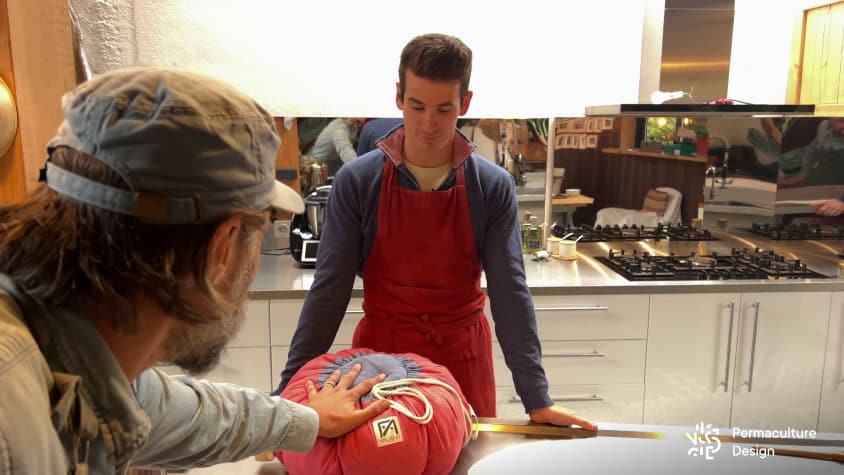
(387, 431)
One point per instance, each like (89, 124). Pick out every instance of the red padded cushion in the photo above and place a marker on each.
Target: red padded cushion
(406, 446)
(655, 201)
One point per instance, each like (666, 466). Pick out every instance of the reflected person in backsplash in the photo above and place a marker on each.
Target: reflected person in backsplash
(335, 145)
(372, 131)
(420, 218)
(824, 157)
(834, 207)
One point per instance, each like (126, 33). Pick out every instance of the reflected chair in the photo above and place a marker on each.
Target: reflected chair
(650, 214)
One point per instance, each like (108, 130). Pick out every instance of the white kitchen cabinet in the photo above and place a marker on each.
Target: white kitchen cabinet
(591, 317)
(779, 359)
(284, 316)
(831, 418)
(246, 359)
(256, 328)
(249, 367)
(584, 362)
(760, 368)
(593, 353)
(690, 358)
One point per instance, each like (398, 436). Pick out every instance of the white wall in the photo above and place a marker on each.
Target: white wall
(338, 58)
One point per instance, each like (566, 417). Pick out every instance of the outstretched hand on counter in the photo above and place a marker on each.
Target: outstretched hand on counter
(336, 402)
(828, 207)
(559, 416)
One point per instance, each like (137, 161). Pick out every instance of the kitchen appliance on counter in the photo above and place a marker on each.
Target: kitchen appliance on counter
(739, 264)
(599, 233)
(306, 228)
(802, 231)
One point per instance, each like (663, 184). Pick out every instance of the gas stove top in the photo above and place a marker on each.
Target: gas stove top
(632, 233)
(798, 231)
(739, 264)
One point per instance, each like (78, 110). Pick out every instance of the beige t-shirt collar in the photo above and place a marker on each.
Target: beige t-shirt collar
(429, 179)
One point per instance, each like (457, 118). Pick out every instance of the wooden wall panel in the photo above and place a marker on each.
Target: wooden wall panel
(287, 160)
(818, 69)
(44, 68)
(12, 178)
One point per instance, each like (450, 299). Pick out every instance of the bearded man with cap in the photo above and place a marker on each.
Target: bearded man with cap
(140, 249)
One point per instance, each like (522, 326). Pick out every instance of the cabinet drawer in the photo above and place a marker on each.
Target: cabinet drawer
(256, 327)
(591, 317)
(608, 317)
(284, 316)
(584, 362)
(596, 403)
(249, 367)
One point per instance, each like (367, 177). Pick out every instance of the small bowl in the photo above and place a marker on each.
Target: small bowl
(572, 191)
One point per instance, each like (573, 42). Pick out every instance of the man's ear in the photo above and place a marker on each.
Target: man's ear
(464, 106)
(399, 100)
(222, 250)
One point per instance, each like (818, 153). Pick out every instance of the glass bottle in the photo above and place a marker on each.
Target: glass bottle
(534, 235)
(525, 228)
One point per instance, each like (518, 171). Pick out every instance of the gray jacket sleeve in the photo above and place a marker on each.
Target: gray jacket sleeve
(199, 423)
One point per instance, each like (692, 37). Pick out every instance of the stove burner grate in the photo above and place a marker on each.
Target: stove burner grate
(802, 231)
(739, 264)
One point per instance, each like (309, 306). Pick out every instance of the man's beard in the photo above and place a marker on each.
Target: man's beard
(197, 348)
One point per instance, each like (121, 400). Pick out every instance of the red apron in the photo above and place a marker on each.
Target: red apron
(422, 286)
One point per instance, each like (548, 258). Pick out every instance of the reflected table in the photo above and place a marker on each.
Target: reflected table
(569, 203)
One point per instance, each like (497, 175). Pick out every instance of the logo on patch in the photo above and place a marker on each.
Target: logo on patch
(387, 431)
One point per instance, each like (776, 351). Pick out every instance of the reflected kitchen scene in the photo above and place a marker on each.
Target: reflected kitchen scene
(325, 144)
(629, 179)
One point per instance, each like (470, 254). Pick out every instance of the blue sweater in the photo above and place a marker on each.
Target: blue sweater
(350, 228)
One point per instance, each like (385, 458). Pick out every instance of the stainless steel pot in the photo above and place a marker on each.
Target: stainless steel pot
(316, 203)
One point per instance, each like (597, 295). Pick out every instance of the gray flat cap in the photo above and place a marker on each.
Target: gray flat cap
(191, 148)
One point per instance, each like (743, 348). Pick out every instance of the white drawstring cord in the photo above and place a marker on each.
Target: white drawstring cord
(401, 387)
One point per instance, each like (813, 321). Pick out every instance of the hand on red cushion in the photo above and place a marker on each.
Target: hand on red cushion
(336, 403)
(559, 416)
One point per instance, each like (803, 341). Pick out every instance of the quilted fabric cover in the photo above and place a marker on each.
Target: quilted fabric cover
(391, 442)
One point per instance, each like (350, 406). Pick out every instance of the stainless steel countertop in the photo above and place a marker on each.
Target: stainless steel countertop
(279, 276)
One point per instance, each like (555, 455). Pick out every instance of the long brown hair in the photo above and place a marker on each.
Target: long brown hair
(64, 252)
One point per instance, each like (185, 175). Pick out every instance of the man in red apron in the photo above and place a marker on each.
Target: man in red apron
(420, 219)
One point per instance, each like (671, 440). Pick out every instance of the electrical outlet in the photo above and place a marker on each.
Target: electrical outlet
(282, 228)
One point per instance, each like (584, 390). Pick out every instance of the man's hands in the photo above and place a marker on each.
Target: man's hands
(559, 416)
(829, 207)
(336, 402)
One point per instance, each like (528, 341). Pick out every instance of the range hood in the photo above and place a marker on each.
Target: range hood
(694, 57)
(701, 110)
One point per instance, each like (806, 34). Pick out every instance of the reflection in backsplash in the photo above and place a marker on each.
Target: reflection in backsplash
(755, 170)
(783, 166)
(517, 145)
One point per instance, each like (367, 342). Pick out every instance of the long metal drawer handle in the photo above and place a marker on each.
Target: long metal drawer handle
(574, 355)
(726, 382)
(354, 311)
(571, 309)
(749, 381)
(594, 398)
